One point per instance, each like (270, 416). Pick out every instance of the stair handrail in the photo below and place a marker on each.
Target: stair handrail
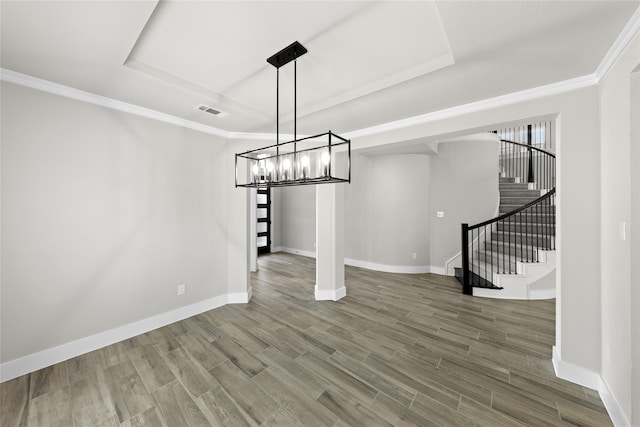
(467, 244)
(515, 211)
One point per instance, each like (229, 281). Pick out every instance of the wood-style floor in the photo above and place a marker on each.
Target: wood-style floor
(397, 350)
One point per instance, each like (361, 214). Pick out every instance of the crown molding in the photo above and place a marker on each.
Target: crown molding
(485, 104)
(91, 98)
(624, 38)
(621, 43)
(512, 98)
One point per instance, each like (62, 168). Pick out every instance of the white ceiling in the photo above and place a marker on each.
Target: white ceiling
(368, 62)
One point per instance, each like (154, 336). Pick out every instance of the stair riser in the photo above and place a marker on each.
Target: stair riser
(526, 239)
(519, 252)
(486, 259)
(513, 186)
(528, 218)
(486, 271)
(516, 200)
(513, 227)
(533, 211)
(531, 194)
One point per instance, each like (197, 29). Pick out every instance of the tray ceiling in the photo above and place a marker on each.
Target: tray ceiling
(368, 62)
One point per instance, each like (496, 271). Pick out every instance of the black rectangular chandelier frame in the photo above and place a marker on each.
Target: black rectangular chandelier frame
(301, 161)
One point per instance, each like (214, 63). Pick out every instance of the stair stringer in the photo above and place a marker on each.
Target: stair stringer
(534, 280)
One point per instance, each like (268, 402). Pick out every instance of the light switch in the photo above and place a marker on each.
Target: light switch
(440, 214)
(623, 231)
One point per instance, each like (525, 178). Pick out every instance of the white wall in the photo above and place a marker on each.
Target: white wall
(104, 213)
(617, 189)
(276, 217)
(464, 185)
(634, 290)
(386, 208)
(298, 218)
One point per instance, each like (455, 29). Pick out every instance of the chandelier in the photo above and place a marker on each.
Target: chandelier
(305, 161)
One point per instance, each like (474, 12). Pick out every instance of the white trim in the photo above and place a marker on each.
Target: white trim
(67, 91)
(406, 269)
(473, 107)
(542, 293)
(240, 297)
(624, 38)
(330, 295)
(574, 373)
(33, 362)
(584, 377)
(451, 271)
(613, 54)
(103, 101)
(406, 74)
(298, 252)
(614, 409)
(438, 270)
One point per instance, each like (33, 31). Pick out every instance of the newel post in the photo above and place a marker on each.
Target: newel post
(466, 279)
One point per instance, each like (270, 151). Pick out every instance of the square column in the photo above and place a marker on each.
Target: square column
(330, 242)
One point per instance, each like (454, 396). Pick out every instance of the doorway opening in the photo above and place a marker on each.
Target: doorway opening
(263, 219)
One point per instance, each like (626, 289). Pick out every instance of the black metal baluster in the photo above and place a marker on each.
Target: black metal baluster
(466, 284)
(537, 208)
(522, 235)
(509, 253)
(487, 268)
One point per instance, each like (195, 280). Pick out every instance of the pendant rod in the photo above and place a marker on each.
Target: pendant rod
(295, 118)
(295, 100)
(277, 111)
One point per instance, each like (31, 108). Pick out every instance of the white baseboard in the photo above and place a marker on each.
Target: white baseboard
(329, 295)
(542, 294)
(33, 362)
(438, 270)
(406, 269)
(593, 380)
(298, 252)
(574, 373)
(240, 297)
(614, 409)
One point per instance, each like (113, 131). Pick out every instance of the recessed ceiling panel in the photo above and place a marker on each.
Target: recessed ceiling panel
(354, 49)
(382, 45)
(215, 45)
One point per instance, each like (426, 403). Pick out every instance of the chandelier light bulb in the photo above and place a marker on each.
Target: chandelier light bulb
(325, 158)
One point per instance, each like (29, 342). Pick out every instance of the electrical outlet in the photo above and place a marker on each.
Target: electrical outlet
(415, 255)
(440, 214)
(182, 289)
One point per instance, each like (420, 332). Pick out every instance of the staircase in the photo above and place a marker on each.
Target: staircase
(518, 236)
(513, 256)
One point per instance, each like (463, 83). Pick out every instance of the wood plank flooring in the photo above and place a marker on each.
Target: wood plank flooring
(397, 350)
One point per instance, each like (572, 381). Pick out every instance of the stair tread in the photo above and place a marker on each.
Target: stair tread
(519, 233)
